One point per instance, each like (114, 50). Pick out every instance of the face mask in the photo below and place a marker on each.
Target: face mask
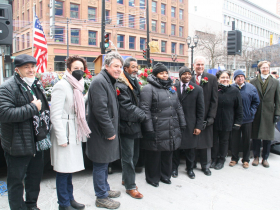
(28, 80)
(78, 74)
(264, 76)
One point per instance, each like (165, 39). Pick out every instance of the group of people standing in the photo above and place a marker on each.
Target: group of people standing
(198, 116)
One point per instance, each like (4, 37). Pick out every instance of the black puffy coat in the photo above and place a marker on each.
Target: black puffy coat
(164, 117)
(16, 118)
(131, 115)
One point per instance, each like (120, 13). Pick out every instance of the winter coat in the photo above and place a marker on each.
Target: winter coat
(164, 117)
(103, 120)
(16, 118)
(131, 115)
(64, 159)
(229, 110)
(250, 101)
(193, 107)
(210, 93)
(263, 126)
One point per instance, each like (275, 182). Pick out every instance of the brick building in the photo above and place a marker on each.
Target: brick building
(126, 25)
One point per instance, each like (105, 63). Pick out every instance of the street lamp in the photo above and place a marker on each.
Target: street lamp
(195, 41)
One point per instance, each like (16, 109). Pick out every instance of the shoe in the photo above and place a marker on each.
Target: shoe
(213, 164)
(206, 171)
(134, 194)
(33, 208)
(166, 181)
(233, 163)
(174, 174)
(110, 170)
(65, 208)
(245, 165)
(265, 163)
(138, 169)
(219, 166)
(114, 194)
(256, 161)
(152, 183)
(123, 185)
(107, 203)
(191, 174)
(77, 205)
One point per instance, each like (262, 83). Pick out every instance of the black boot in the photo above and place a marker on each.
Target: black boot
(191, 174)
(77, 205)
(65, 208)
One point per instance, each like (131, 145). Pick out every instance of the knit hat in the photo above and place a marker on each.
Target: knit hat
(238, 72)
(20, 60)
(182, 70)
(159, 67)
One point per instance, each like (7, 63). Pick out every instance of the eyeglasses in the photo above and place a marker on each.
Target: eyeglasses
(265, 68)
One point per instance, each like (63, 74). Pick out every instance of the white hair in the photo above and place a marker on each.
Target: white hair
(108, 59)
(199, 58)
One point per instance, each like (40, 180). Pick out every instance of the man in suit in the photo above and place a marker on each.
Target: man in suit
(191, 98)
(209, 84)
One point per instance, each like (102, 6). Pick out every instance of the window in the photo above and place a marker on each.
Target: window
(163, 9)
(154, 6)
(131, 3)
(92, 38)
(162, 27)
(120, 41)
(28, 20)
(75, 36)
(17, 44)
(58, 8)
(173, 48)
(120, 1)
(142, 43)
(22, 41)
(41, 9)
(92, 13)
(28, 39)
(181, 31)
(131, 20)
(132, 42)
(142, 23)
(59, 34)
(181, 1)
(142, 4)
(23, 20)
(181, 12)
(163, 46)
(181, 49)
(154, 25)
(107, 15)
(120, 19)
(74, 11)
(173, 28)
(173, 12)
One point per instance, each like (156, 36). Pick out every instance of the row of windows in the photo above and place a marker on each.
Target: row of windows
(21, 39)
(142, 3)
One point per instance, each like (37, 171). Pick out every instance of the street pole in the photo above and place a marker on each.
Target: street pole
(67, 39)
(102, 27)
(192, 58)
(148, 33)
(1, 67)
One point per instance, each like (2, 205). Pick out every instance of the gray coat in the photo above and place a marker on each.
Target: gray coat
(263, 126)
(103, 120)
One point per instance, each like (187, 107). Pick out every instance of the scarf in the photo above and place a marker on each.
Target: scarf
(165, 83)
(79, 106)
(222, 87)
(125, 78)
(263, 84)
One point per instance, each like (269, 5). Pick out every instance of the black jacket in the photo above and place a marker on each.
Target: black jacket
(16, 118)
(164, 117)
(229, 110)
(131, 115)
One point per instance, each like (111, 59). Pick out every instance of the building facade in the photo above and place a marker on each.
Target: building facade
(125, 23)
(278, 7)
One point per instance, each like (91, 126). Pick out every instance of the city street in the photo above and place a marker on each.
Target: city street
(230, 188)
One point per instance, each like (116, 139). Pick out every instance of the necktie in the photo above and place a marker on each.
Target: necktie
(197, 80)
(184, 87)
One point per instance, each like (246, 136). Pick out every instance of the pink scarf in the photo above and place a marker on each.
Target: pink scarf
(79, 105)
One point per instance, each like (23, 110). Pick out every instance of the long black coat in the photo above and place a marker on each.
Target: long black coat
(210, 93)
(164, 117)
(229, 110)
(103, 120)
(193, 107)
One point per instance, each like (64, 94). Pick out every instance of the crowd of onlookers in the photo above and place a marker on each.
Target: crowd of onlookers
(199, 116)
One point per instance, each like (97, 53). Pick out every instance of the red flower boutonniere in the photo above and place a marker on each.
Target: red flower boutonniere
(118, 91)
(140, 83)
(190, 88)
(204, 80)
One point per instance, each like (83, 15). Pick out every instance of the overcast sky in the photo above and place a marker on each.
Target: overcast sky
(269, 5)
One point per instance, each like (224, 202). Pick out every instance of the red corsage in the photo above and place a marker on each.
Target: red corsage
(118, 91)
(190, 88)
(204, 80)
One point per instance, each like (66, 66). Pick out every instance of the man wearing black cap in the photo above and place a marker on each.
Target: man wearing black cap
(21, 99)
(191, 98)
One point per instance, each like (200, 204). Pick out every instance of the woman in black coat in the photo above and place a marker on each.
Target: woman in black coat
(161, 129)
(229, 116)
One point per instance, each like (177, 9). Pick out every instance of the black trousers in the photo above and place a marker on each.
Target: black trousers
(204, 157)
(28, 169)
(244, 134)
(257, 147)
(220, 145)
(189, 155)
(158, 165)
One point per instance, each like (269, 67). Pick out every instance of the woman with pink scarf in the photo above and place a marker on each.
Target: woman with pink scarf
(69, 130)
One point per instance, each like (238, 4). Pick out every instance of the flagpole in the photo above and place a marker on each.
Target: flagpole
(33, 28)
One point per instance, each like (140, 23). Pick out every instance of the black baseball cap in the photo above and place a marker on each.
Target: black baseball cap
(20, 60)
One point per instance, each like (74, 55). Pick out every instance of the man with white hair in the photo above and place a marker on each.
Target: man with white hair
(209, 84)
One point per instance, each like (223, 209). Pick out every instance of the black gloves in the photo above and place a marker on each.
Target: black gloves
(236, 127)
(210, 121)
(149, 135)
(204, 125)
(276, 119)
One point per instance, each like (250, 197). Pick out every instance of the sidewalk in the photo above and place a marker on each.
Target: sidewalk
(230, 188)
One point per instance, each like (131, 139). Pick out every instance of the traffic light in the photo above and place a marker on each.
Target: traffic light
(144, 54)
(151, 61)
(234, 42)
(106, 40)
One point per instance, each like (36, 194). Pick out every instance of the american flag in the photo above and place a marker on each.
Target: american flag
(40, 42)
